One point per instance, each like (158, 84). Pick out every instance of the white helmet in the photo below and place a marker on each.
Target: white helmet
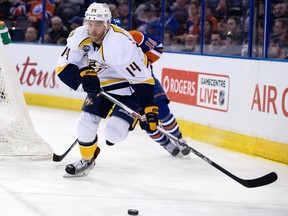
(98, 12)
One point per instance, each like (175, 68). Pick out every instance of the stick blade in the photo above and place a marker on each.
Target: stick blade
(56, 158)
(261, 181)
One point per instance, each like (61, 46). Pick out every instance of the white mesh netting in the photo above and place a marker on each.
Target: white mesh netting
(18, 138)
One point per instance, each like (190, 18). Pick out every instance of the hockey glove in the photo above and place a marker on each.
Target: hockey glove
(90, 80)
(151, 113)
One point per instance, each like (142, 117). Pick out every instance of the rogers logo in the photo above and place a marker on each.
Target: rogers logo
(180, 86)
(209, 91)
(30, 76)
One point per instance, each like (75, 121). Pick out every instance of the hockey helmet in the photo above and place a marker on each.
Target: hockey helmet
(98, 12)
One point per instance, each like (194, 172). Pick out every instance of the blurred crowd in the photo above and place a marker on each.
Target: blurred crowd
(225, 28)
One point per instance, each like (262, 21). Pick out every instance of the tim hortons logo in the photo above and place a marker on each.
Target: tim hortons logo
(31, 75)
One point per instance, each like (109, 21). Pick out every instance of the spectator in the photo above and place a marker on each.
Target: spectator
(193, 17)
(115, 2)
(231, 47)
(261, 10)
(177, 43)
(123, 10)
(259, 38)
(167, 40)
(114, 10)
(67, 9)
(57, 30)
(190, 44)
(221, 10)
(278, 48)
(181, 14)
(208, 29)
(280, 28)
(209, 17)
(171, 24)
(32, 11)
(139, 16)
(222, 26)
(233, 24)
(31, 35)
(47, 39)
(5, 6)
(245, 37)
(62, 40)
(216, 43)
(152, 25)
(75, 22)
(281, 9)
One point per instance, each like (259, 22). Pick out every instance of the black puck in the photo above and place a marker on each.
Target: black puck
(133, 212)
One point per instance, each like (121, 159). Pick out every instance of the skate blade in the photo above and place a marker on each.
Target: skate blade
(81, 174)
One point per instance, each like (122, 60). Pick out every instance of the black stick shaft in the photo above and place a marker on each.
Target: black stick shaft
(58, 158)
(249, 183)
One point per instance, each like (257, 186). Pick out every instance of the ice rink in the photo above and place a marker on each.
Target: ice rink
(138, 174)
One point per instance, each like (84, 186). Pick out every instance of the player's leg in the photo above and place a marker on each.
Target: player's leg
(157, 136)
(167, 119)
(120, 122)
(170, 124)
(93, 110)
(116, 130)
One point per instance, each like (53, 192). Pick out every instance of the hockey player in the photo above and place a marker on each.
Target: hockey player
(153, 49)
(99, 54)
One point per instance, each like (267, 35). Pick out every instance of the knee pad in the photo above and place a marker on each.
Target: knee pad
(87, 127)
(116, 130)
(163, 109)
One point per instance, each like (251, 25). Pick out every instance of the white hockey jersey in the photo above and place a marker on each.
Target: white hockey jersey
(118, 61)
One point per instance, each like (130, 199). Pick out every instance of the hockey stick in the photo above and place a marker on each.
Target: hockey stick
(249, 183)
(58, 158)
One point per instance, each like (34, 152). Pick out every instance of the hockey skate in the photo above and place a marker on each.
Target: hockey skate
(172, 149)
(183, 147)
(81, 167)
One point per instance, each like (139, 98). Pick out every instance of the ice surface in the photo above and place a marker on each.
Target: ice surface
(136, 173)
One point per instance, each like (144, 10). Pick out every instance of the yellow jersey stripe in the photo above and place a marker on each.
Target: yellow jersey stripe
(83, 42)
(112, 81)
(60, 69)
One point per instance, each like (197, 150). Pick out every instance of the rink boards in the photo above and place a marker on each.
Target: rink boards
(239, 104)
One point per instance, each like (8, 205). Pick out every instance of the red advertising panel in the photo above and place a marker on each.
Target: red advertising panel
(197, 89)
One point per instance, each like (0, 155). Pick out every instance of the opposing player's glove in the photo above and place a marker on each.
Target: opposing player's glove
(90, 80)
(151, 113)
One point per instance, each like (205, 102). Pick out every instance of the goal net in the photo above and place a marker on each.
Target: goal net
(18, 138)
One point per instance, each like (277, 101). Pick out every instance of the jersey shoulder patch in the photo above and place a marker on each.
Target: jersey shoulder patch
(78, 38)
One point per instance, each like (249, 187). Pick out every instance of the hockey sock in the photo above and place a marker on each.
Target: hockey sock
(87, 150)
(159, 138)
(170, 124)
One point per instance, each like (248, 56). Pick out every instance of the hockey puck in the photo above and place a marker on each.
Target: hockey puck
(133, 212)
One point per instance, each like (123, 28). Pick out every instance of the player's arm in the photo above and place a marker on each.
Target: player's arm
(68, 69)
(151, 46)
(154, 54)
(154, 48)
(72, 60)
